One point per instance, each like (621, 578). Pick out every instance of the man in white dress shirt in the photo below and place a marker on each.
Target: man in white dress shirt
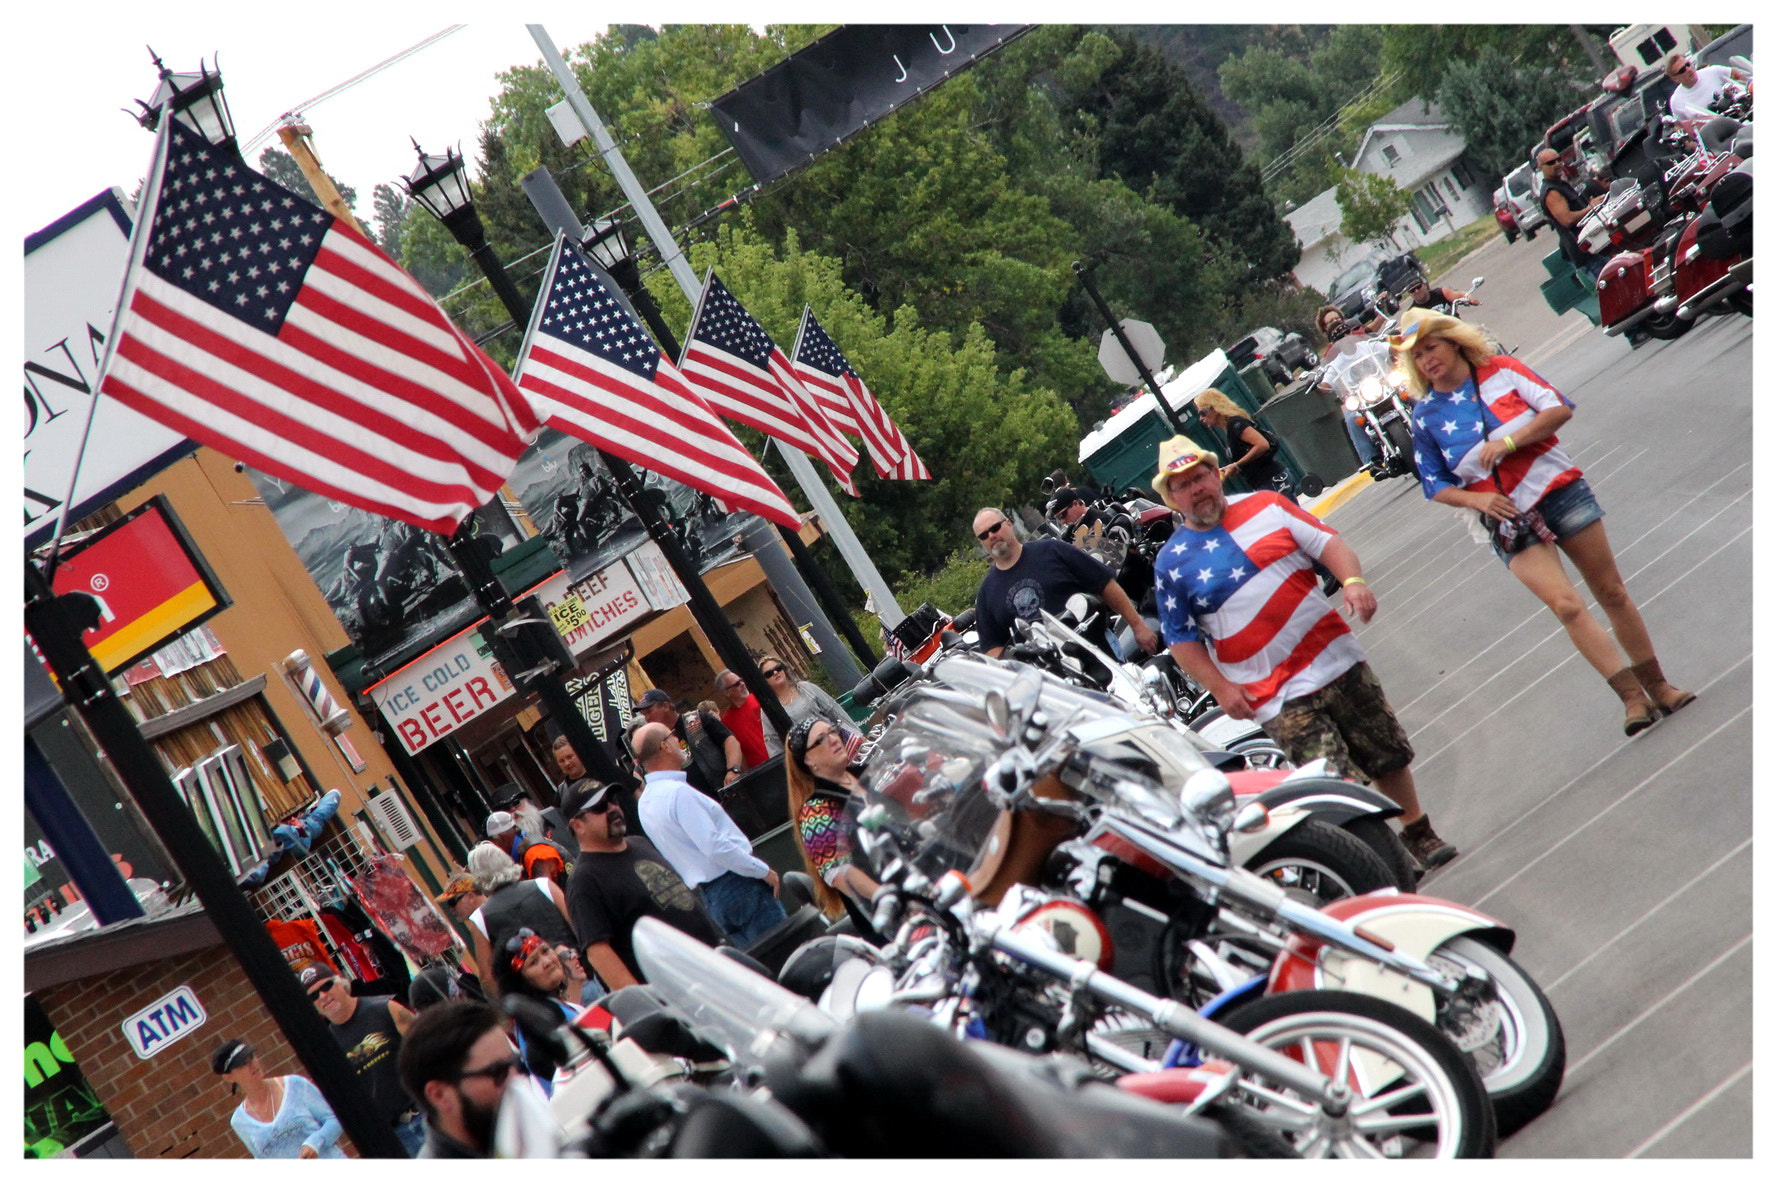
(701, 841)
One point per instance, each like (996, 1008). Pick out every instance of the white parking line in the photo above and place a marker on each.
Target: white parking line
(1648, 780)
(1649, 914)
(1596, 765)
(1659, 1006)
(1558, 342)
(1692, 1108)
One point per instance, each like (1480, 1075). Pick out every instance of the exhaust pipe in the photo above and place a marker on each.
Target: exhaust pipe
(1737, 277)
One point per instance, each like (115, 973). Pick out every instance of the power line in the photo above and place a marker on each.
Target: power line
(354, 80)
(1282, 163)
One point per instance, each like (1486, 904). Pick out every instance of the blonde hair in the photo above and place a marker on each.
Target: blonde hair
(1470, 342)
(1214, 400)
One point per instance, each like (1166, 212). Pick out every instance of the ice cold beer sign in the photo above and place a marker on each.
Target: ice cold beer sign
(431, 697)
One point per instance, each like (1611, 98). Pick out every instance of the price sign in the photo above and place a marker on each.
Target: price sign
(569, 614)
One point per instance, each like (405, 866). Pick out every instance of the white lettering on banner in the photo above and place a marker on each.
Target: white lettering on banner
(655, 574)
(430, 697)
(610, 601)
(168, 1020)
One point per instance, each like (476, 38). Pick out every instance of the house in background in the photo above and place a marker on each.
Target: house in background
(1421, 152)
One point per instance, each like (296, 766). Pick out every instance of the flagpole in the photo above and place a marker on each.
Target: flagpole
(838, 528)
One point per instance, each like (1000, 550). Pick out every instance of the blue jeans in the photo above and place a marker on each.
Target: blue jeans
(412, 1133)
(744, 909)
(1366, 447)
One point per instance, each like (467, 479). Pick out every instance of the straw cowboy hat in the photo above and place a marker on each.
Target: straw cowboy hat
(1179, 454)
(1421, 320)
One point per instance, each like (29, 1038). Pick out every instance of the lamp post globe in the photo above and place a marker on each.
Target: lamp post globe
(441, 185)
(195, 99)
(607, 244)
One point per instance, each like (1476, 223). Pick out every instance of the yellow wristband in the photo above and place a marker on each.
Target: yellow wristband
(1352, 580)
(1510, 445)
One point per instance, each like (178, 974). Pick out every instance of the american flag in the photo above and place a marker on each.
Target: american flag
(1247, 590)
(257, 323)
(591, 370)
(824, 370)
(733, 363)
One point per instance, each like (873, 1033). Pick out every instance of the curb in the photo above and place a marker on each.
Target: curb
(1339, 494)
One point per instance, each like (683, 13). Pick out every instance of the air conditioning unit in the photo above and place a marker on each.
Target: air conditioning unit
(395, 820)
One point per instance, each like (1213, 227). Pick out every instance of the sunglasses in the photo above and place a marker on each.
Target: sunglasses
(320, 989)
(984, 535)
(823, 737)
(773, 672)
(1681, 69)
(498, 1072)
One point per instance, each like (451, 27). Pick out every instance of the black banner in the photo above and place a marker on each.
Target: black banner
(829, 91)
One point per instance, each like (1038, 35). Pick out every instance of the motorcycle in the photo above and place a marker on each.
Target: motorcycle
(1715, 252)
(1014, 778)
(1030, 969)
(1367, 384)
(1650, 221)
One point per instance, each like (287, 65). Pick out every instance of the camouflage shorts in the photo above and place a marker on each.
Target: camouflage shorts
(1348, 723)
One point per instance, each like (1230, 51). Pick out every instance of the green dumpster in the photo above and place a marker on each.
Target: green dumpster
(1121, 453)
(1567, 288)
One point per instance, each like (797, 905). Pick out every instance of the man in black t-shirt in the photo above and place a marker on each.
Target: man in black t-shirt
(368, 1030)
(715, 752)
(1028, 577)
(618, 879)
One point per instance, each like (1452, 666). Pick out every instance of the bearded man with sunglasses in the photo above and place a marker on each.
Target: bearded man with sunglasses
(617, 879)
(1037, 576)
(457, 1064)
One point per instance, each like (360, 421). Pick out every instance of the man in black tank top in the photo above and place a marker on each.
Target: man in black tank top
(1565, 206)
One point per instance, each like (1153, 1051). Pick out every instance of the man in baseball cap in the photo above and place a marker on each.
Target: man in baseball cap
(713, 752)
(539, 857)
(1252, 627)
(618, 878)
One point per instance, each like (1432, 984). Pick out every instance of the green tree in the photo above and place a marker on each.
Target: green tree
(280, 166)
(1372, 205)
(1502, 111)
(1157, 135)
(1424, 54)
(390, 206)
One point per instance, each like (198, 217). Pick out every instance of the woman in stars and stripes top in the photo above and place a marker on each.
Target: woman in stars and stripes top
(1484, 439)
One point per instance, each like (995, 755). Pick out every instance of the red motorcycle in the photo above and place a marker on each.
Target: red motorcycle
(1649, 218)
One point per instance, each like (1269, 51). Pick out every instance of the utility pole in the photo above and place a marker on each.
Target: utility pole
(838, 528)
(1590, 45)
(1084, 271)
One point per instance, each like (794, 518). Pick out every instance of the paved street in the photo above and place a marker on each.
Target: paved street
(1625, 865)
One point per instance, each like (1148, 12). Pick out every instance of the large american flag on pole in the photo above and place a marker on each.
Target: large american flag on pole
(733, 363)
(260, 324)
(824, 370)
(592, 371)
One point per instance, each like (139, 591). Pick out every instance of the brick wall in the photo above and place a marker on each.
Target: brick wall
(171, 1105)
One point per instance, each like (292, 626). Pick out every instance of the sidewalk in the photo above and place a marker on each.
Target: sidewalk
(1339, 494)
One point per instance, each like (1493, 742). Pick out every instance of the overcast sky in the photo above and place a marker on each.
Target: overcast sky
(72, 140)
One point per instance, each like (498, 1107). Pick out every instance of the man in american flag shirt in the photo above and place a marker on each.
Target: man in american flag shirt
(1243, 614)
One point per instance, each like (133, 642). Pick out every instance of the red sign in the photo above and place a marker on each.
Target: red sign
(149, 581)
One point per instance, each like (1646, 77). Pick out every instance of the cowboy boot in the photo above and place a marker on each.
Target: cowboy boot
(1666, 697)
(1641, 712)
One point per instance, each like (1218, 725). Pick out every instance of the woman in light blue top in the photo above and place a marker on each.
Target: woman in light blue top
(279, 1116)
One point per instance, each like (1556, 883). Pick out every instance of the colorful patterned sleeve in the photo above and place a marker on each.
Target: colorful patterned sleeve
(820, 822)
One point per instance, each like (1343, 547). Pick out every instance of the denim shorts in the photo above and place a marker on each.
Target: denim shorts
(1566, 511)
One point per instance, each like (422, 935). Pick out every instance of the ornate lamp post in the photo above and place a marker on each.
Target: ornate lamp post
(194, 99)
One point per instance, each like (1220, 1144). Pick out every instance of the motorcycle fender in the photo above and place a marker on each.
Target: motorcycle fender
(1413, 924)
(1331, 799)
(1243, 848)
(1224, 732)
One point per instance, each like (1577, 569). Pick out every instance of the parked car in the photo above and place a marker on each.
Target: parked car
(1502, 213)
(1631, 101)
(1279, 354)
(1372, 284)
(1525, 196)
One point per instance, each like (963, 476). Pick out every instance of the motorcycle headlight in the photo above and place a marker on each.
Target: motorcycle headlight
(1397, 380)
(1209, 797)
(1350, 402)
(1159, 690)
(1370, 389)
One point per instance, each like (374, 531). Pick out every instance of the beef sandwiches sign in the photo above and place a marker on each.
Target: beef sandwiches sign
(823, 94)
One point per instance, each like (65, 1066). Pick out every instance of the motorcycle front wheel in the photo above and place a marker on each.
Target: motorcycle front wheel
(1318, 863)
(1410, 1083)
(1517, 1044)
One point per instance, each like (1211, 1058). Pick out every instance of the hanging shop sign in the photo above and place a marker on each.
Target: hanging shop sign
(149, 580)
(163, 1023)
(73, 273)
(436, 694)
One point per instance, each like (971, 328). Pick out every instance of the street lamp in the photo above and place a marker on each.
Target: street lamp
(194, 99)
(607, 245)
(441, 184)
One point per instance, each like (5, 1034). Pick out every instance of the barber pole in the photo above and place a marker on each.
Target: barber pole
(329, 715)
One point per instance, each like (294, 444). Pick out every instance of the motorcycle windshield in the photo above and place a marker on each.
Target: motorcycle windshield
(729, 1004)
(927, 768)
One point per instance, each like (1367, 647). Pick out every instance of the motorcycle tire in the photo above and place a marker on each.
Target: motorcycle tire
(1380, 837)
(1321, 863)
(1452, 1114)
(1522, 1067)
(1666, 326)
(1740, 302)
(1402, 438)
(1250, 1137)
(1262, 753)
